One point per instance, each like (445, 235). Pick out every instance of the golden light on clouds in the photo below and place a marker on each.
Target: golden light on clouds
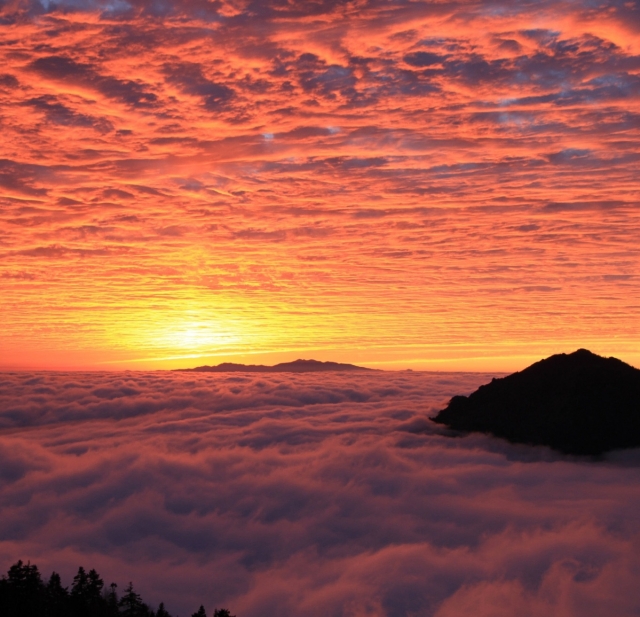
(195, 336)
(416, 184)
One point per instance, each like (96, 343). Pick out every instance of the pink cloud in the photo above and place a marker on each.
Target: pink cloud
(306, 495)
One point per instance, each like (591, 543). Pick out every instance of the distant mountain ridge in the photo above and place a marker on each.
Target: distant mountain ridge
(578, 403)
(297, 366)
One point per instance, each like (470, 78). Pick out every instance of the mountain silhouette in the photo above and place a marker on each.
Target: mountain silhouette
(297, 366)
(578, 403)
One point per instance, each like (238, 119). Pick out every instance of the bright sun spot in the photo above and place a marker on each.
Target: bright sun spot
(198, 336)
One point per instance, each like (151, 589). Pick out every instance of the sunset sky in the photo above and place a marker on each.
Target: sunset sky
(435, 185)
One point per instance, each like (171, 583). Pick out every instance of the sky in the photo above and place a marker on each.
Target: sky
(434, 185)
(280, 495)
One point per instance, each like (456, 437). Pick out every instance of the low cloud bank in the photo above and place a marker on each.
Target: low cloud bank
(307, 495)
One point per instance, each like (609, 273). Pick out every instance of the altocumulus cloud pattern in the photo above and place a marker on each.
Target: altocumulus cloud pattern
(308, 495)
(275, 172)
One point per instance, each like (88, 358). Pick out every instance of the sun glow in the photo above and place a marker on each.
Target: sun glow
(367, 191)
(197, 337)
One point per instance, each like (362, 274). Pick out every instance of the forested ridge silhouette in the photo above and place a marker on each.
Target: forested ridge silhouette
(578, 403)
(23, 593)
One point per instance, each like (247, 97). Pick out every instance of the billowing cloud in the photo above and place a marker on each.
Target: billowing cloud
(307, 495)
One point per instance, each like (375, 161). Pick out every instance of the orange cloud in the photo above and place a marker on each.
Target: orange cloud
(336, 176)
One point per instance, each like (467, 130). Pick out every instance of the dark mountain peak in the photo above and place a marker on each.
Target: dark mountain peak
(576, 366)
(578, 403)
(307, 363)
(296, 366)
(583, 352)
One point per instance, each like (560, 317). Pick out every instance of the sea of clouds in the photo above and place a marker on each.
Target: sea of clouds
(308, 495)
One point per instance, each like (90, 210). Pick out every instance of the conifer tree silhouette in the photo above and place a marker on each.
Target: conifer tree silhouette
(80, 584)
(201, 612)
(161, 612)
(131, 604)
(57, 597)
(23, 591)
(24, 594)
(112, 600)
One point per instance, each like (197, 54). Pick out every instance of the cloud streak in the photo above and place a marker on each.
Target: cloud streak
(307, 495)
